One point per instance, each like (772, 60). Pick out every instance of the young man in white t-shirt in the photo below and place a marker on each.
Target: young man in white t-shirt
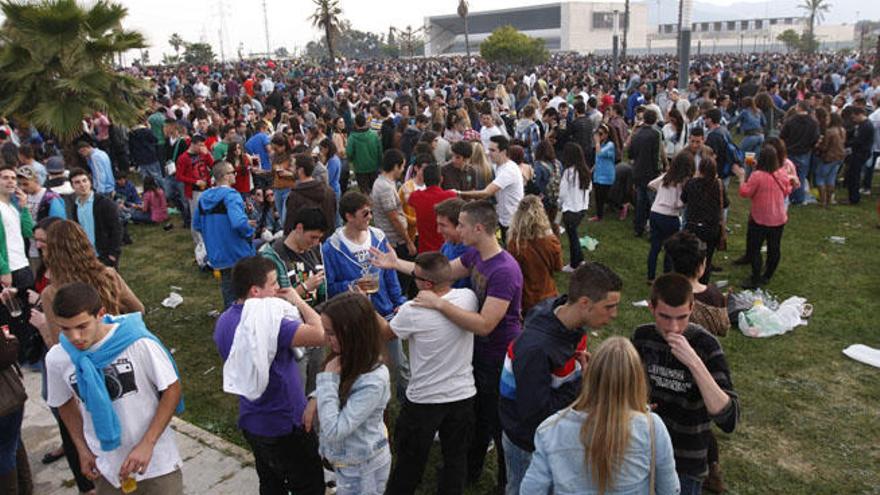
(127, 410)
(15, 271)
(440, 394)
(507, 186)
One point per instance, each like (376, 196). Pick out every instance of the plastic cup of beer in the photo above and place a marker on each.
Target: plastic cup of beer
(369, 281)
(750, 159)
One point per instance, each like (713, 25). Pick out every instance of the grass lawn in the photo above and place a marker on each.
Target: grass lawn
(811, 416)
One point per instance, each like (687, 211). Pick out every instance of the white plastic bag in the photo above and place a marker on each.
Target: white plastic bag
(761, 321)
(173, 300)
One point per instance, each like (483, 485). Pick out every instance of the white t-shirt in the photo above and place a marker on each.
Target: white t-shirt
(440, 352)
(14, 242)
(359, 251)
(486, 134)
(134, 379)
(509, 178)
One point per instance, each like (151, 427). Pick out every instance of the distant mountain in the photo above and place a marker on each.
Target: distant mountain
(842, 11)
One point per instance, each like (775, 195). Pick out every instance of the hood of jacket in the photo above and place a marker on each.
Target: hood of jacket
(216, 195)
(313, 190)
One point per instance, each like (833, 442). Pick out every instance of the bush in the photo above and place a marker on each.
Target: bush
(508, 46)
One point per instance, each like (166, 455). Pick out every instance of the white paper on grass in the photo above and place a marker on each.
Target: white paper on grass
(864, 354)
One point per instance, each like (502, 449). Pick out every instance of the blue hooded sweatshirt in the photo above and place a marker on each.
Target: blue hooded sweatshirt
(341, 268)
(221, 220)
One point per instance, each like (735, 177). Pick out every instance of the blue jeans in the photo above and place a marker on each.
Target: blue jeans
(153, 170)
(826, 174)
(367, 478)
(644, 199)
(281, 202)
(868, 175)
(174, 193)
(226, 287)
(690, 485)
(752, 143)
(802, 164)
(400, 364)
(662, 228)
(517, 462)
(10, 438)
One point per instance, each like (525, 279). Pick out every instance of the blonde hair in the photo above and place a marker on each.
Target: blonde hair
(614, 388)
(530, 222)
(480, 162)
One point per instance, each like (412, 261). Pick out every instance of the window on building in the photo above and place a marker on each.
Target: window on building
(603, 20)
(669, 28)
(731, 25)
(759, 24)
(744, 25)
(773, 22)
(717, 26)
(789, 20)
(704, 27)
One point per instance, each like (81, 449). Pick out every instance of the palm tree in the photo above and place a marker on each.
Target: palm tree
(56, 65)
(176, 42)
(327, 16)
(625, 29)
(463, 13)
(816, 10)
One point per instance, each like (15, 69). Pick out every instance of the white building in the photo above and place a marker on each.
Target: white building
(583, 27)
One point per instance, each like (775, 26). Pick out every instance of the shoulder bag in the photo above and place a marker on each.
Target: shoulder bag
(12, 393)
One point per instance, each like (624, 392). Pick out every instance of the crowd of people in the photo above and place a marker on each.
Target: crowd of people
(348, 210)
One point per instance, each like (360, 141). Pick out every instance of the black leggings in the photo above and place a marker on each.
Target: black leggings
(572, 220)
(773, 235)
(602, 191)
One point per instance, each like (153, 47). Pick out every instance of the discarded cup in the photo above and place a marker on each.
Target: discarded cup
(836, 239)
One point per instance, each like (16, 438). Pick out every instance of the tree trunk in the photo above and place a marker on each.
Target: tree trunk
(467, 41)
(625, 30)
(329, 35)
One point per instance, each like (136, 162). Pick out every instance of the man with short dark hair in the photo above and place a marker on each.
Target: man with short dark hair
(128, 424)
(272, 406)
(688, 376)
(801, 133)
(544, 366)
(507, 187)
(389, 210)
(440, 394)
(447, 213)
(497, 280)
(258, 146)
(424, 201)
(17, 225)
(364, 152)
(310, 193)
(99, 163)
(458, 174)
(98, 215)
(645, 151)
(142, 146)
(221, 220)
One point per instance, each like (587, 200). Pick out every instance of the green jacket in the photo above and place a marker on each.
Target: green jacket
(364, 151)
(27, 231)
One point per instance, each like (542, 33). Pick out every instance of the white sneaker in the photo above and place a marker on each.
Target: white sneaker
(865, 192)
(568, 269)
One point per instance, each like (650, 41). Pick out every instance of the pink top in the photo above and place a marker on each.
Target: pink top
(154, 203)
(768, 193)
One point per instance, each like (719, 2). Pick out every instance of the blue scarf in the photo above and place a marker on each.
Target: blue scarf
(90, 378)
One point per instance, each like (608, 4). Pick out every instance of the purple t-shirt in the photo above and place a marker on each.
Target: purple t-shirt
(500, 277)
(281, 406)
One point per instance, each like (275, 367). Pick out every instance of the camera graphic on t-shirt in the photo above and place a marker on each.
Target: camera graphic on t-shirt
(119, 379)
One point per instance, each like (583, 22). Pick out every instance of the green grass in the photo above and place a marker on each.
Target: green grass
(810, 416)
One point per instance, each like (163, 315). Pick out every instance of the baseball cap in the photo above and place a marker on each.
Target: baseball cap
(55, 165)
(27, 172)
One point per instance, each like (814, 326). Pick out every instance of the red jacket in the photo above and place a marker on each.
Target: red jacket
(192, 168)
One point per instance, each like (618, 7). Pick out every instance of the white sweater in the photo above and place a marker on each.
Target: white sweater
(571, 196)
(668, 200)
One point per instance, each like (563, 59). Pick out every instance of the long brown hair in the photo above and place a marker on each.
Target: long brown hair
(70, 257)
(529, 223)
(614, 388)
(354, 323)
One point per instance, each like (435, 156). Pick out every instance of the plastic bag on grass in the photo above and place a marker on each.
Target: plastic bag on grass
(762, 321)
(589, 243)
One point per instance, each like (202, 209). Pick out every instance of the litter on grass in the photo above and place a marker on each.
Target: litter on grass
(173, 300)
(836, 239)
(864, 354)
(761, 314)
(641, 304)
(589, 243)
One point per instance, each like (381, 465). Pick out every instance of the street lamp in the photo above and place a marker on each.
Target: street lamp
(615, 38)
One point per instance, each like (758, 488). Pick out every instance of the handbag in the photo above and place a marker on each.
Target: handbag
(722, 239)
(12, 393)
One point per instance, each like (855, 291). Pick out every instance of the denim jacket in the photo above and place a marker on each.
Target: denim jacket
(353, 432)
(748, 122)
(558, 462)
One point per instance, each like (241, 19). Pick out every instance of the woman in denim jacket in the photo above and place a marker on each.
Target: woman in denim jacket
(603, 442)
(352, 394)
(751, 123)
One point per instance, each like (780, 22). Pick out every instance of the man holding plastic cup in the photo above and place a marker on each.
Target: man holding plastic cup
(15, 272)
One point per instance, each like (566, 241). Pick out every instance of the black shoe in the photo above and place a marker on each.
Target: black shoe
(751, 283)
(126, 240)
(742, 260)
(639, 234)
(168, 226)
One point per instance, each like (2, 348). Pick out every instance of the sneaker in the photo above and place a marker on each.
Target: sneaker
(865, 192)
(168, 226)
(715, 481)
(561, 230)
(568, 269)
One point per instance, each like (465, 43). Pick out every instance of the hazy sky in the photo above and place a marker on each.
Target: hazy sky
(197, 20)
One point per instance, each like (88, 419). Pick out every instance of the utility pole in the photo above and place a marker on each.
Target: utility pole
(266, 27)
(463, 13)
(615, 40)
(684, 42)
(221, 13)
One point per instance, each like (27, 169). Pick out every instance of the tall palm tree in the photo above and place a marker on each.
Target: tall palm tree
(56, 65)
(625, 29)
(463, 13)
(327, 16)
(816, 10)
(176, 42)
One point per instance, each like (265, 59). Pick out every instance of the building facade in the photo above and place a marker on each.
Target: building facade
(584, 27)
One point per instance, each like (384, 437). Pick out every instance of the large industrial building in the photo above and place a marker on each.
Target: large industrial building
(587, 27)
(564, 26)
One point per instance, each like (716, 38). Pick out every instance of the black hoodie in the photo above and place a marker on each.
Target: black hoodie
(540, 374)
